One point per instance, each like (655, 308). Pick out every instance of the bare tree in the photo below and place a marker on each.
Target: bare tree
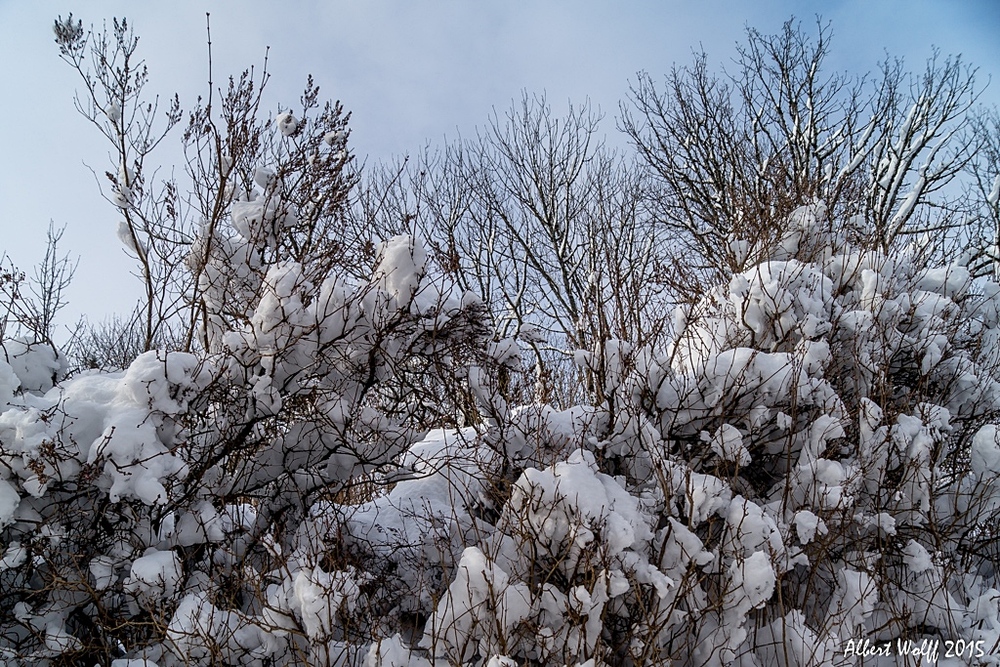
(230, 149)
(922, 144)
(31, 313)
(546, 223)
(734, 154)
(115, 103)
(983, 194)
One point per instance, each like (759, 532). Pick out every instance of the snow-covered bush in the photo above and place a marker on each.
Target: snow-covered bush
(822, 417)
(812, 462)
(165, 511)
(166, 496)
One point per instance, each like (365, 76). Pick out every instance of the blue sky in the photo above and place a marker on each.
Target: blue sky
(410, 73)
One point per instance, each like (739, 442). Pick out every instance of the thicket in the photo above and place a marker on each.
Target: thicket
(526, 400)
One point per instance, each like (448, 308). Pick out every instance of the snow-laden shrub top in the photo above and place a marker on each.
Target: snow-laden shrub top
(814, 459)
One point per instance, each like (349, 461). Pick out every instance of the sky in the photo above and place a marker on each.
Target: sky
(411, 73)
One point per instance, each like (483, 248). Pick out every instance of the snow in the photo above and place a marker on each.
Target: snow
(916, 557)
(392, 652)
(319, 596)
(807, 525)
(9, 500)
(853, 602)
(750, 529)
(789, 642)
(480, 602)
(124, 233)
(727, 442)
(103, 570)
(58, 640)
(9, 383)
(114, 112)
(501, 661)
(37, 365)
(681, 547)
(576, 491)
(505, 352)
(401, 266)
(154, 576)
(199, 525)
(197, 627)
(993, 198)
(122, 198)
(985, 453)
(286, 123)
(13, 557)
(265, 178)
(751, 583)
(952, 281)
